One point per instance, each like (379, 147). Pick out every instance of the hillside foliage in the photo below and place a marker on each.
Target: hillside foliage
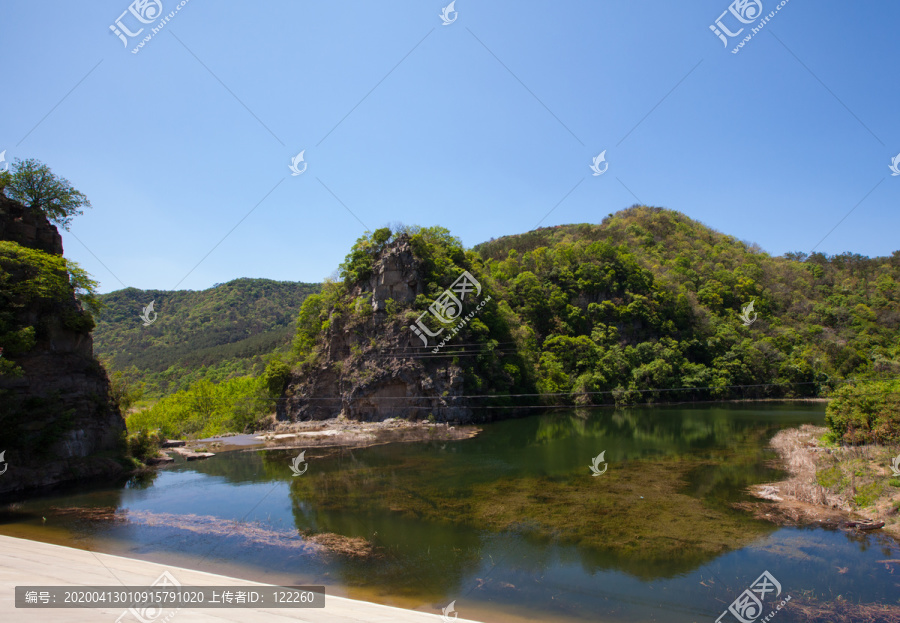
(32, 285)
(647, 306)
(867, 412)
(206, 409)
(224, 332)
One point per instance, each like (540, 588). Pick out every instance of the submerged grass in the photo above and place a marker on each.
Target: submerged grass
(637, 516)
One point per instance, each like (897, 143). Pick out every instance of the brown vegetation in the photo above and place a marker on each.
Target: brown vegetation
(840, 610)
(847, 487)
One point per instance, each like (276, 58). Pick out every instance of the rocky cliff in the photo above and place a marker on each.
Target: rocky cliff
(57, 421)
(370, 364)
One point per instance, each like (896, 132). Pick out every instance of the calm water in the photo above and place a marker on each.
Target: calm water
(511, 524)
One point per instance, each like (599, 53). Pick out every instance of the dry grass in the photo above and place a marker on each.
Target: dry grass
(345, 546)
(797, 448)
(842, 611)
(825, 480)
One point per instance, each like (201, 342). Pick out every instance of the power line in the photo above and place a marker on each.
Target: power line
(582, 393)
(590, 393)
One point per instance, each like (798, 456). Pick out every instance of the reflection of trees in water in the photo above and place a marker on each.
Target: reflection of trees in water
(414, 555)
(670, 430)
(142, 480)
(439, 513)
(431, 524)
(239, 467)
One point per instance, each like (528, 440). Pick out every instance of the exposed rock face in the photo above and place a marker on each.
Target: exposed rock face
(374, 367)
(57, 417)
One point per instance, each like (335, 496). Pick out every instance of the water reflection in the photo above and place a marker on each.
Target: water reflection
(510, 521)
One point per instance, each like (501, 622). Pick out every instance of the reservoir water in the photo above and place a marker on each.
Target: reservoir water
(511, 525)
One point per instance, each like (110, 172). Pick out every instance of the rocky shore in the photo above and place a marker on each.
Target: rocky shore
(334, 433)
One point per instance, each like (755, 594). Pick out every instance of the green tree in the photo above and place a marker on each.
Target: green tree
(32, 183)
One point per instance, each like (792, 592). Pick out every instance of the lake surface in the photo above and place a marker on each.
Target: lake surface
(511, 525)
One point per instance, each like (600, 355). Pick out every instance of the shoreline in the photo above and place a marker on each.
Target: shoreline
(335, 433)
(802, 497)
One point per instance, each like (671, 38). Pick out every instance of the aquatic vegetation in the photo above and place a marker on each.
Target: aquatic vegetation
(622, 520)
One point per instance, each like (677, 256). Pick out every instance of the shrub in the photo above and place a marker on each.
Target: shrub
(276, 377)
(866, 413)
(144, 444)
(868, 494)
(206, 409)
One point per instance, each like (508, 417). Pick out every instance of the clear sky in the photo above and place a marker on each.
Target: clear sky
(483, 126)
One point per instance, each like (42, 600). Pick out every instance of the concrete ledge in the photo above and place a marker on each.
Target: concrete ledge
(24, 562)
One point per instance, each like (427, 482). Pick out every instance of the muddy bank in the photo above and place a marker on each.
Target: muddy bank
(841, 487)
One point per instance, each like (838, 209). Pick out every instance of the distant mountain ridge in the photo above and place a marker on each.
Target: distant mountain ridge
(217, 333)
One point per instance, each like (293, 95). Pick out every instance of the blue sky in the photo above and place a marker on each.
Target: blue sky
(482, 126)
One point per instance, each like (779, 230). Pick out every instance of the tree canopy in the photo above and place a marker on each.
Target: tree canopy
(32, 183)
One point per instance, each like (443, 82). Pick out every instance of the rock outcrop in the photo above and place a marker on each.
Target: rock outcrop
(371, 366)
(57, 420)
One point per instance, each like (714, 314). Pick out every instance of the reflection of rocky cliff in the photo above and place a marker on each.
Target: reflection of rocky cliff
(57, 422)
(372, 366)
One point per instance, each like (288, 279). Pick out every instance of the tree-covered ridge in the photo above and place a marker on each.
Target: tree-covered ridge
(646, 306)
(214, 334)
(650, 299)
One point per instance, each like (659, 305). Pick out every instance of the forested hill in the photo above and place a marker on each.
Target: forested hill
(212, 334)
(647, 306)
(652, 299)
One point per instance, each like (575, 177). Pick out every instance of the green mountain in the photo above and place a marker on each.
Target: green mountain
(647, 306)
(214, 334)
(651, 299)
